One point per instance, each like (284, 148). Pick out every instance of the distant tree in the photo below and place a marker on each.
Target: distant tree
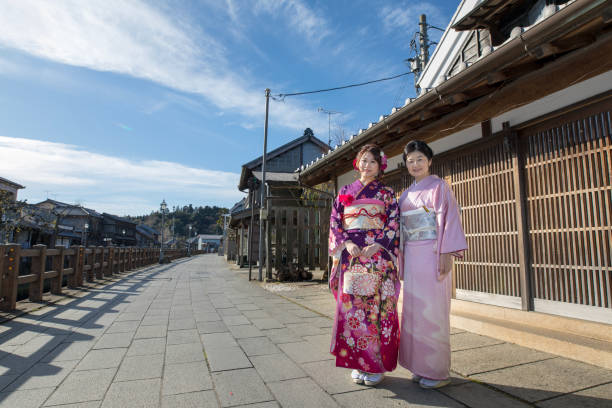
(10, 215)
(308, 132)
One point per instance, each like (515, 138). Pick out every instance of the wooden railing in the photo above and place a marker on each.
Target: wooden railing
(77, 264)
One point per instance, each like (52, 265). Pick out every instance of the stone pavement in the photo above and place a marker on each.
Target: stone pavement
(196, 333)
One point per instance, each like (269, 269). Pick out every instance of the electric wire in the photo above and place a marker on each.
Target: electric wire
(284, 95)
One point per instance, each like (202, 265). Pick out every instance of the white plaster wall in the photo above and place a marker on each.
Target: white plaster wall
(456, 139)
(346, 178)
(557, 100)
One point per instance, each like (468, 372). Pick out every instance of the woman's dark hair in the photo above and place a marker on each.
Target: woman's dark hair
(417, 146)
(375, 150)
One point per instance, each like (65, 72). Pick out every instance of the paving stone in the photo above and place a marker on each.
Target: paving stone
(267, 323)
(226, 358)
(183, 336)
(157, 320)
(258, 346)
(114, 340)
(141, 347)
(235, 320)
(140, 393)
(466, 340)
(105, 358)
(218, 340)
(145, 332)
(43, 375)
(203, 399)
(301, 392)
(320, 322)
(124, 317)
(331, 378)
(282, 336)
(247, 306)
(245, 331)
(596, 397)
(123, 326)
(88, 404)
(276, 367)
(189, 377)
(25, 398)
(141, 367)
(211, 327)
(207, 317)
(482, 359)
(475, 395)
(82, 386)
(181, 324)
(6, 379)
(256, 314)
(239, 387)
(184, 353)
(232, 311)
(69, 351)
(546, 379)
(305, 352)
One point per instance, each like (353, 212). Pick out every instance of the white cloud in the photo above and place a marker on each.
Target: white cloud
(405, 16)
(133, 38)
(108, 183)
(306, 21)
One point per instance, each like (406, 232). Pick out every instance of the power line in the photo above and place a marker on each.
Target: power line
(282, 95)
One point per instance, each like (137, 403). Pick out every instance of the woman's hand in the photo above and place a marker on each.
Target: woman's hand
(353, 249)
(370, 250)
(445, 265)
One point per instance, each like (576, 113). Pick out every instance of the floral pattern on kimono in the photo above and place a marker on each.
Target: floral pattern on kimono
(366, 328)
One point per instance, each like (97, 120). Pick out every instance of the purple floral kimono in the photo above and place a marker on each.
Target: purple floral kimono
(366, 328)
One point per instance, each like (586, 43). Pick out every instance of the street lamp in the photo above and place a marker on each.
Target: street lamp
(84, 234)
(163, 207)
(123, 235)
(189, 241)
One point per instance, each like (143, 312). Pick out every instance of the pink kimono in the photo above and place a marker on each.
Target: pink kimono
(366, 328)
(434, 229)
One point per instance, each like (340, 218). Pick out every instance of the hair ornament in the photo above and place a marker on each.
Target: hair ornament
(383, 161)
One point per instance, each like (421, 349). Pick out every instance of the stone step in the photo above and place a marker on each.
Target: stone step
(580, 340)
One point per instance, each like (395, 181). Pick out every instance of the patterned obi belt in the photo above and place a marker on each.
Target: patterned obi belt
(419, 224)
(364, 214)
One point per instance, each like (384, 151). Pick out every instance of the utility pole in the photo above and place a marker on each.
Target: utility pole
(262, 210)
(423, 40)
(329, 113)
(418, 63)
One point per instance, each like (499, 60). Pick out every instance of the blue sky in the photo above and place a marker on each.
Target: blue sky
(117, 104)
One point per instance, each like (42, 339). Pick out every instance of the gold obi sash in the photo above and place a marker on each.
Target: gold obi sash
(364, 214)
(419, 224)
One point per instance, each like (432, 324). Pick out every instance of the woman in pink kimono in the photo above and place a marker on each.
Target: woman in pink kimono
(364, 244)
(431, 238)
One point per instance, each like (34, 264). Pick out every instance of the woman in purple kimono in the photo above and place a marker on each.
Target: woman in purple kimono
(431, 238)
(363, 241)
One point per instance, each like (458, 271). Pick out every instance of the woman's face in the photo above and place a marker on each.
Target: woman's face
(418, 165)
(368, 167)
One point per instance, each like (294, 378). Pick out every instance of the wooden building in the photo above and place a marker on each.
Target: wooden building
(516, 103)
(72, 224)
(295, 225)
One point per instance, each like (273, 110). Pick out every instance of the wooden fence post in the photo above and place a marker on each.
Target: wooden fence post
(80, 254)
(88, 263)
(58, 266)
(39, 263)
(9, 268)
(111, 260)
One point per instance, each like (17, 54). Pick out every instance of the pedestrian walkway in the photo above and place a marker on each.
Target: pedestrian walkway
(196, 333)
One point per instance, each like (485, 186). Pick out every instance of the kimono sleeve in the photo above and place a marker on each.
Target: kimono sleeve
(389, 236)
(451, 236)
(337, 235)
